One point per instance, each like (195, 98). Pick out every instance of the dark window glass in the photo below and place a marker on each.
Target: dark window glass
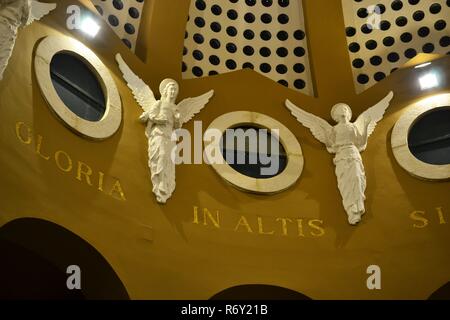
(255, 159)
(77, 86)
(429, 138)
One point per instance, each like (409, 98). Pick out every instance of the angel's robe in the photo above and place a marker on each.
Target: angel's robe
(349, 169)
(159, 133)
(13, 14)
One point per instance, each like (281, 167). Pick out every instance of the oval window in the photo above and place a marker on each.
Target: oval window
(420, 139)
(258, 154)
(429, 137)
(77, 86)
(253, 152)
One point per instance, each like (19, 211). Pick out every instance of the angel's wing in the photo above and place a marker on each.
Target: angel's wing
(38, 10)
(373, 114)
(189, 107)
(320, 129)
(142, 92)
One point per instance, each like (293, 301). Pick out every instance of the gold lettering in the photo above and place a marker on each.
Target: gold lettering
(19, 126)
(415, 215)
(300, 228)
(261, 228)
(65, 163)
(284, 222)
(117, 188)
(316, 227)
(196, 215)
(441, 215)
(68, 167)
(208, 214)
(243, 222)
(39, 148)
(101, 177)
(85, 170)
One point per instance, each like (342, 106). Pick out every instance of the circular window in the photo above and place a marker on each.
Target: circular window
(429, 138)
(253, 152)
(78, 87)
(260, 154)
(421, 138)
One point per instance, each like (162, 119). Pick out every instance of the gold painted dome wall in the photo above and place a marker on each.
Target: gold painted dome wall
(210, 235)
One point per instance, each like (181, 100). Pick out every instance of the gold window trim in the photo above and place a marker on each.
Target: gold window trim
(278, 183)
(399, 139)
(112, 118)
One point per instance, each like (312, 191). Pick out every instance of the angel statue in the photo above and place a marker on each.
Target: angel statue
(15, 14)
(162, 117)
(346, 140)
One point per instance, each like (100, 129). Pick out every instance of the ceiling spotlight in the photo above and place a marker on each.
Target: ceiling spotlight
(428, 81)
(422, 65)
(90, 27)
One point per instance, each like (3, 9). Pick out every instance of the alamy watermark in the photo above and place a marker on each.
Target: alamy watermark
(74, 20)
(374, 280)
(374, 17)
(74, 279)
(235, 146)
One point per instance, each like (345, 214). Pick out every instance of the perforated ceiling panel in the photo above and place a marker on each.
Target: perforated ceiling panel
(124, 17)
(402, 29)
(265, 35)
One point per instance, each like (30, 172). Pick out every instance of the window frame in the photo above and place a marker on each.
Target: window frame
(400, 145)
(109, 124)
(276, 184)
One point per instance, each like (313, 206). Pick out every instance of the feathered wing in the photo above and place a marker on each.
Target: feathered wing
(320, 128)
(189, 107)
(39, 10)
(374, 114)
(141, 91)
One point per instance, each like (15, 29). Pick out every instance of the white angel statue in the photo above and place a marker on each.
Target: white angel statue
(15, 14)
(346, 140)
(162, 117)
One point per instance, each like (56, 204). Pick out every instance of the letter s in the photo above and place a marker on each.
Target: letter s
(415, 215)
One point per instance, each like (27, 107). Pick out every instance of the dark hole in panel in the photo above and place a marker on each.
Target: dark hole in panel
(252, 151)
(429, 137)
(77, 86)
(259, 292)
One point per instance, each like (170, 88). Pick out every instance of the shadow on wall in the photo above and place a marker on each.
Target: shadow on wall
(35, 255)
(443, 293)
(259, 292)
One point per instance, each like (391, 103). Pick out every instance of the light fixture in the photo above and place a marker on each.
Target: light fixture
(90, 27)
(422, 65)
(428, 81)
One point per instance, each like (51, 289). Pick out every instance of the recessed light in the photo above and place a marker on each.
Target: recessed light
(428, 81)
(90, 27)
(422, 65)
